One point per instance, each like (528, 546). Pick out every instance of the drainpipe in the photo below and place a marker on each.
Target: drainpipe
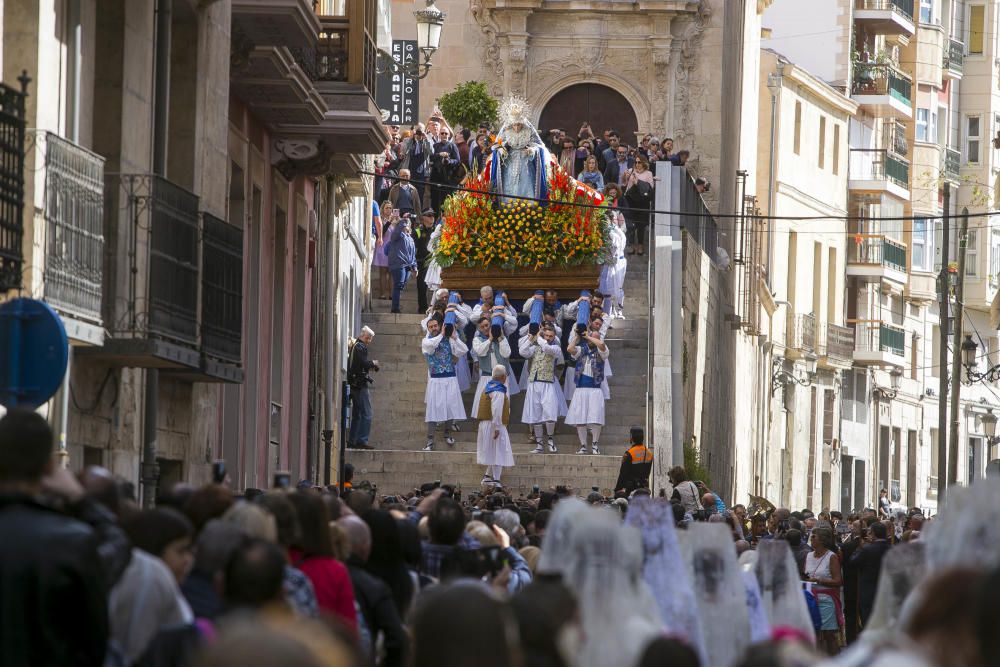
(773, 85)
(329, 330)
(75, 35)
(161, 110)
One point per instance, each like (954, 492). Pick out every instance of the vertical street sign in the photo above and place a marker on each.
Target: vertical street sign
(398, 95)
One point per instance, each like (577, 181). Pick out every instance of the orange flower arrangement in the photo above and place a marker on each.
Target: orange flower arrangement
(480, 231)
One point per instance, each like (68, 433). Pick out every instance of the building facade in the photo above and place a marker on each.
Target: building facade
(195, 198)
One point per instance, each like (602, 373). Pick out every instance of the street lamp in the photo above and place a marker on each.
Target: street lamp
(782, 378)
(430, 20)
(969, 357)
(895, 376)
(989, 422)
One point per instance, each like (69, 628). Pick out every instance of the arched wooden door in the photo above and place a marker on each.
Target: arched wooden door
(603, 107)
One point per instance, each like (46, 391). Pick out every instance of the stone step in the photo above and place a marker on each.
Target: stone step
(397, 472)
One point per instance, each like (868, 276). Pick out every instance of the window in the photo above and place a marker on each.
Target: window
(972, 139)
(995, 258)
(798, 127)
(922, 244)
(977, 23)
(854, 397)
(926, 125)
(927, 11)
(822, 140)
(836, 149)
(972, 255)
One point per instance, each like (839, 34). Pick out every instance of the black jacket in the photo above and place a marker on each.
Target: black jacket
(379, 611)
(55, 575)
(358, 366)
(867, 563)
(421, 237)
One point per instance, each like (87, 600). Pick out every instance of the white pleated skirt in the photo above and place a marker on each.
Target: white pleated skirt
(586, 407)
(569, 384)
(443, 400)
(492, 451)
(542, 403)
(463, 374)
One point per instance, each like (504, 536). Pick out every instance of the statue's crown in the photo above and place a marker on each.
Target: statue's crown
(514, 110)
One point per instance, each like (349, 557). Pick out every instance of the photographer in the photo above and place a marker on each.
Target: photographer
(358, 368)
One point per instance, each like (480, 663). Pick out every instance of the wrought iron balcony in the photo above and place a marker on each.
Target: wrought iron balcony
(873, 168)
(951, 162)
(160, 300)
(954, 57)
(801, 333)
(222, 289)
(879, 338)
(877, 249)
(882, 89)
(74, 227)
(904, 7)
(12, 132)
(838, 343)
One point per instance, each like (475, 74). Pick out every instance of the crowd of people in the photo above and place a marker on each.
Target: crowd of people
(422, 165)
(345, 577)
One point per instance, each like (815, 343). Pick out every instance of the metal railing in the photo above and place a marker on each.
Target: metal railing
(222, 289)
(881, 79)
(877, 249)
(162, 223)
(801, 334)
(904, 7)
(12, 132)
(838, 343)
(954, 56)
(877, 164)
(346, 49)
(877, 336)
(951, 162)
(894, 138)
(74, 225)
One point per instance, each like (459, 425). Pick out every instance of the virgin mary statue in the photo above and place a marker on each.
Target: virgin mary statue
(519, 162)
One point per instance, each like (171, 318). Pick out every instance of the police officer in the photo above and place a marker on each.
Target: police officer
(637, 464)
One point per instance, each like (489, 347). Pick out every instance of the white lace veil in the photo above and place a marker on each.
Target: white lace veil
(780, 586)
(966, 531)
(903, 567)
(760, 626)
(664, 571)
(719, 591)
(557, 548)
(617, 612)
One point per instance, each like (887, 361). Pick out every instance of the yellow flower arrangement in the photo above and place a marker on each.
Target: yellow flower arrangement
(480, 231)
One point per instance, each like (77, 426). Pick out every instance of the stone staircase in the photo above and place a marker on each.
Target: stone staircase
(399, 432)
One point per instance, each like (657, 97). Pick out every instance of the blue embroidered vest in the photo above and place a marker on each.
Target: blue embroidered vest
(596, 368)
(442, 362)
(492, 358)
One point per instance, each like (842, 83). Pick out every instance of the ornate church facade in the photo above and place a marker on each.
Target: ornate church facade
(642, 67)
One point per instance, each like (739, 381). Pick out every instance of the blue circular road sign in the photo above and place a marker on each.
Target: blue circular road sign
(34, 352)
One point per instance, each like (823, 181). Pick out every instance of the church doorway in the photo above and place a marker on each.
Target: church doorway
(603, 107)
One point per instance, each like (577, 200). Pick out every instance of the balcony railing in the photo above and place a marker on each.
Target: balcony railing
(951, 162)
(876, 336)
(12, 131)
(346, 49)
(838, 344)
(222, 289)
(881, 79)
(894, 138)
(161, 220)
(954, 56)
(802, 332)
(74, 227)
(904, 7)
(876, 164)
(877, 249)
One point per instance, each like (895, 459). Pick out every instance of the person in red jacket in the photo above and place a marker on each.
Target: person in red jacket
(312, 552)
